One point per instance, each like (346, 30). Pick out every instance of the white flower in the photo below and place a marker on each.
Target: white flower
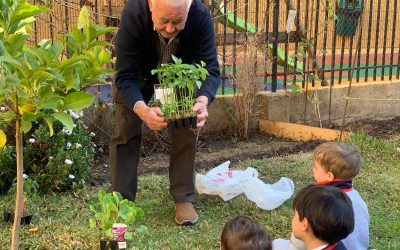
(66, 131)
(94, 145)
(84, 126)
(71, 176)
(25, 176)
(2, 108)
(92, 134)
(67, 161)
(74, 126)
(101, 150)
(77, 145)
(32, 140)
(81, 113)
(69, 145)
(51, 158)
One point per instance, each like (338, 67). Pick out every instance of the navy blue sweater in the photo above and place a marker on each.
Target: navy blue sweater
(137, 52)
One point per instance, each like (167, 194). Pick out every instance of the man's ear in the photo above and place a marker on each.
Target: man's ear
(331, 176)
(150, 5)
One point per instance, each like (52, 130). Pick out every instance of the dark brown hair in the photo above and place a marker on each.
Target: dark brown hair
(242, 233)
(328, 211)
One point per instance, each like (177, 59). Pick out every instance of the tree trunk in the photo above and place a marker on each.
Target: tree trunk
(20, 183)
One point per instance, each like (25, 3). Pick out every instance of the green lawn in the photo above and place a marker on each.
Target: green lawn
(62, 219)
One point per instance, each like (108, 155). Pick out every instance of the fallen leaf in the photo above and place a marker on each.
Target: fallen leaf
(33, 229)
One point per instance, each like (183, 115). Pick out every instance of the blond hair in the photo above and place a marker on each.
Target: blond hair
(339, 158)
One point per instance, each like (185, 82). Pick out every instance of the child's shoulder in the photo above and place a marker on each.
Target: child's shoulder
(356, 199)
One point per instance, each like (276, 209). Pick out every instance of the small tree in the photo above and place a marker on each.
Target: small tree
(39, 82)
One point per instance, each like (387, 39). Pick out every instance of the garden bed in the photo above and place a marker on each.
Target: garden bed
(215, 149)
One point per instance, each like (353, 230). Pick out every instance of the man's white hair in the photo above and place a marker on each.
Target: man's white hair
(176, 3)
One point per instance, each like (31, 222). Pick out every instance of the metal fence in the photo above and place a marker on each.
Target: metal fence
(329, 42)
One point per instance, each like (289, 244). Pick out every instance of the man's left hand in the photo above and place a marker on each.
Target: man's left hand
(200, 107)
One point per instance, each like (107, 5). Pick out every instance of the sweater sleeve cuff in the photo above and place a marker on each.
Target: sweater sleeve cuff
(136, 103)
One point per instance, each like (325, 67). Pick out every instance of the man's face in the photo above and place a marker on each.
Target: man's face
(168, 21)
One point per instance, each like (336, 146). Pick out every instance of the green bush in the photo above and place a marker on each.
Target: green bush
(58, 163)
(7, 167)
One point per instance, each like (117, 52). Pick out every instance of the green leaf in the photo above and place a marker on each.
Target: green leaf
(117, 196)
(72, 63)
(78, 100)
(128, 235)
(16, 42)
(49, 122)
(45, 92)
(26, 121)
(2, 48)
(112, 207)
(83, 20)
(52, 102)
(108, 232)
(11, 61)
(3, 139)
(7, 116)
(65, 119)
(198, 84)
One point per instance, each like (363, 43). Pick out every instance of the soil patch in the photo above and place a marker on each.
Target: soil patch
(216, 149)
(382, 129)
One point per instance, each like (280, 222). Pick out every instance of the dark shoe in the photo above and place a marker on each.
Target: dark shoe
(185, 214)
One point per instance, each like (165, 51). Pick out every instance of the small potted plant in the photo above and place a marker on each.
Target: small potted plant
(114, 215)
(176, 92)
(30, 188)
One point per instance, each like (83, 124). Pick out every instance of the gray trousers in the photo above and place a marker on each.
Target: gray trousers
(124, 153)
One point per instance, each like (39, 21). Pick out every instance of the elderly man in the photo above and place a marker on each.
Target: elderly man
(150, 32)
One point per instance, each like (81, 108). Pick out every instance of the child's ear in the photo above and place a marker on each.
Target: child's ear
(330, 176)
(305, 225)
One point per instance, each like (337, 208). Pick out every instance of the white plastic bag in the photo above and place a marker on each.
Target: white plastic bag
(229, 184)
(222, 182)
(268, 196)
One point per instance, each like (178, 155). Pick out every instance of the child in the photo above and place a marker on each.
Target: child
(242, 233)
(336, 164)
(323, 216)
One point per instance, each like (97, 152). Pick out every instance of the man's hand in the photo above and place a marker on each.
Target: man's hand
(200, 107)
(152, 117)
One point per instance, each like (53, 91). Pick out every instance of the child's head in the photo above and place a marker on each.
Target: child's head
(336, 160)
(322, 212)
(245, 234)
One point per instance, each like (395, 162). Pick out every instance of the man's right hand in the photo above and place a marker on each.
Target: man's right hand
(152, 117)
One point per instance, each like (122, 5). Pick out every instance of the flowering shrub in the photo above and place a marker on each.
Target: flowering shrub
(56, 163)
(7, 167)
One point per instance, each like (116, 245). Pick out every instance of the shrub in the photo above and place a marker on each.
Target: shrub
(56, 163)
(7, 167)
